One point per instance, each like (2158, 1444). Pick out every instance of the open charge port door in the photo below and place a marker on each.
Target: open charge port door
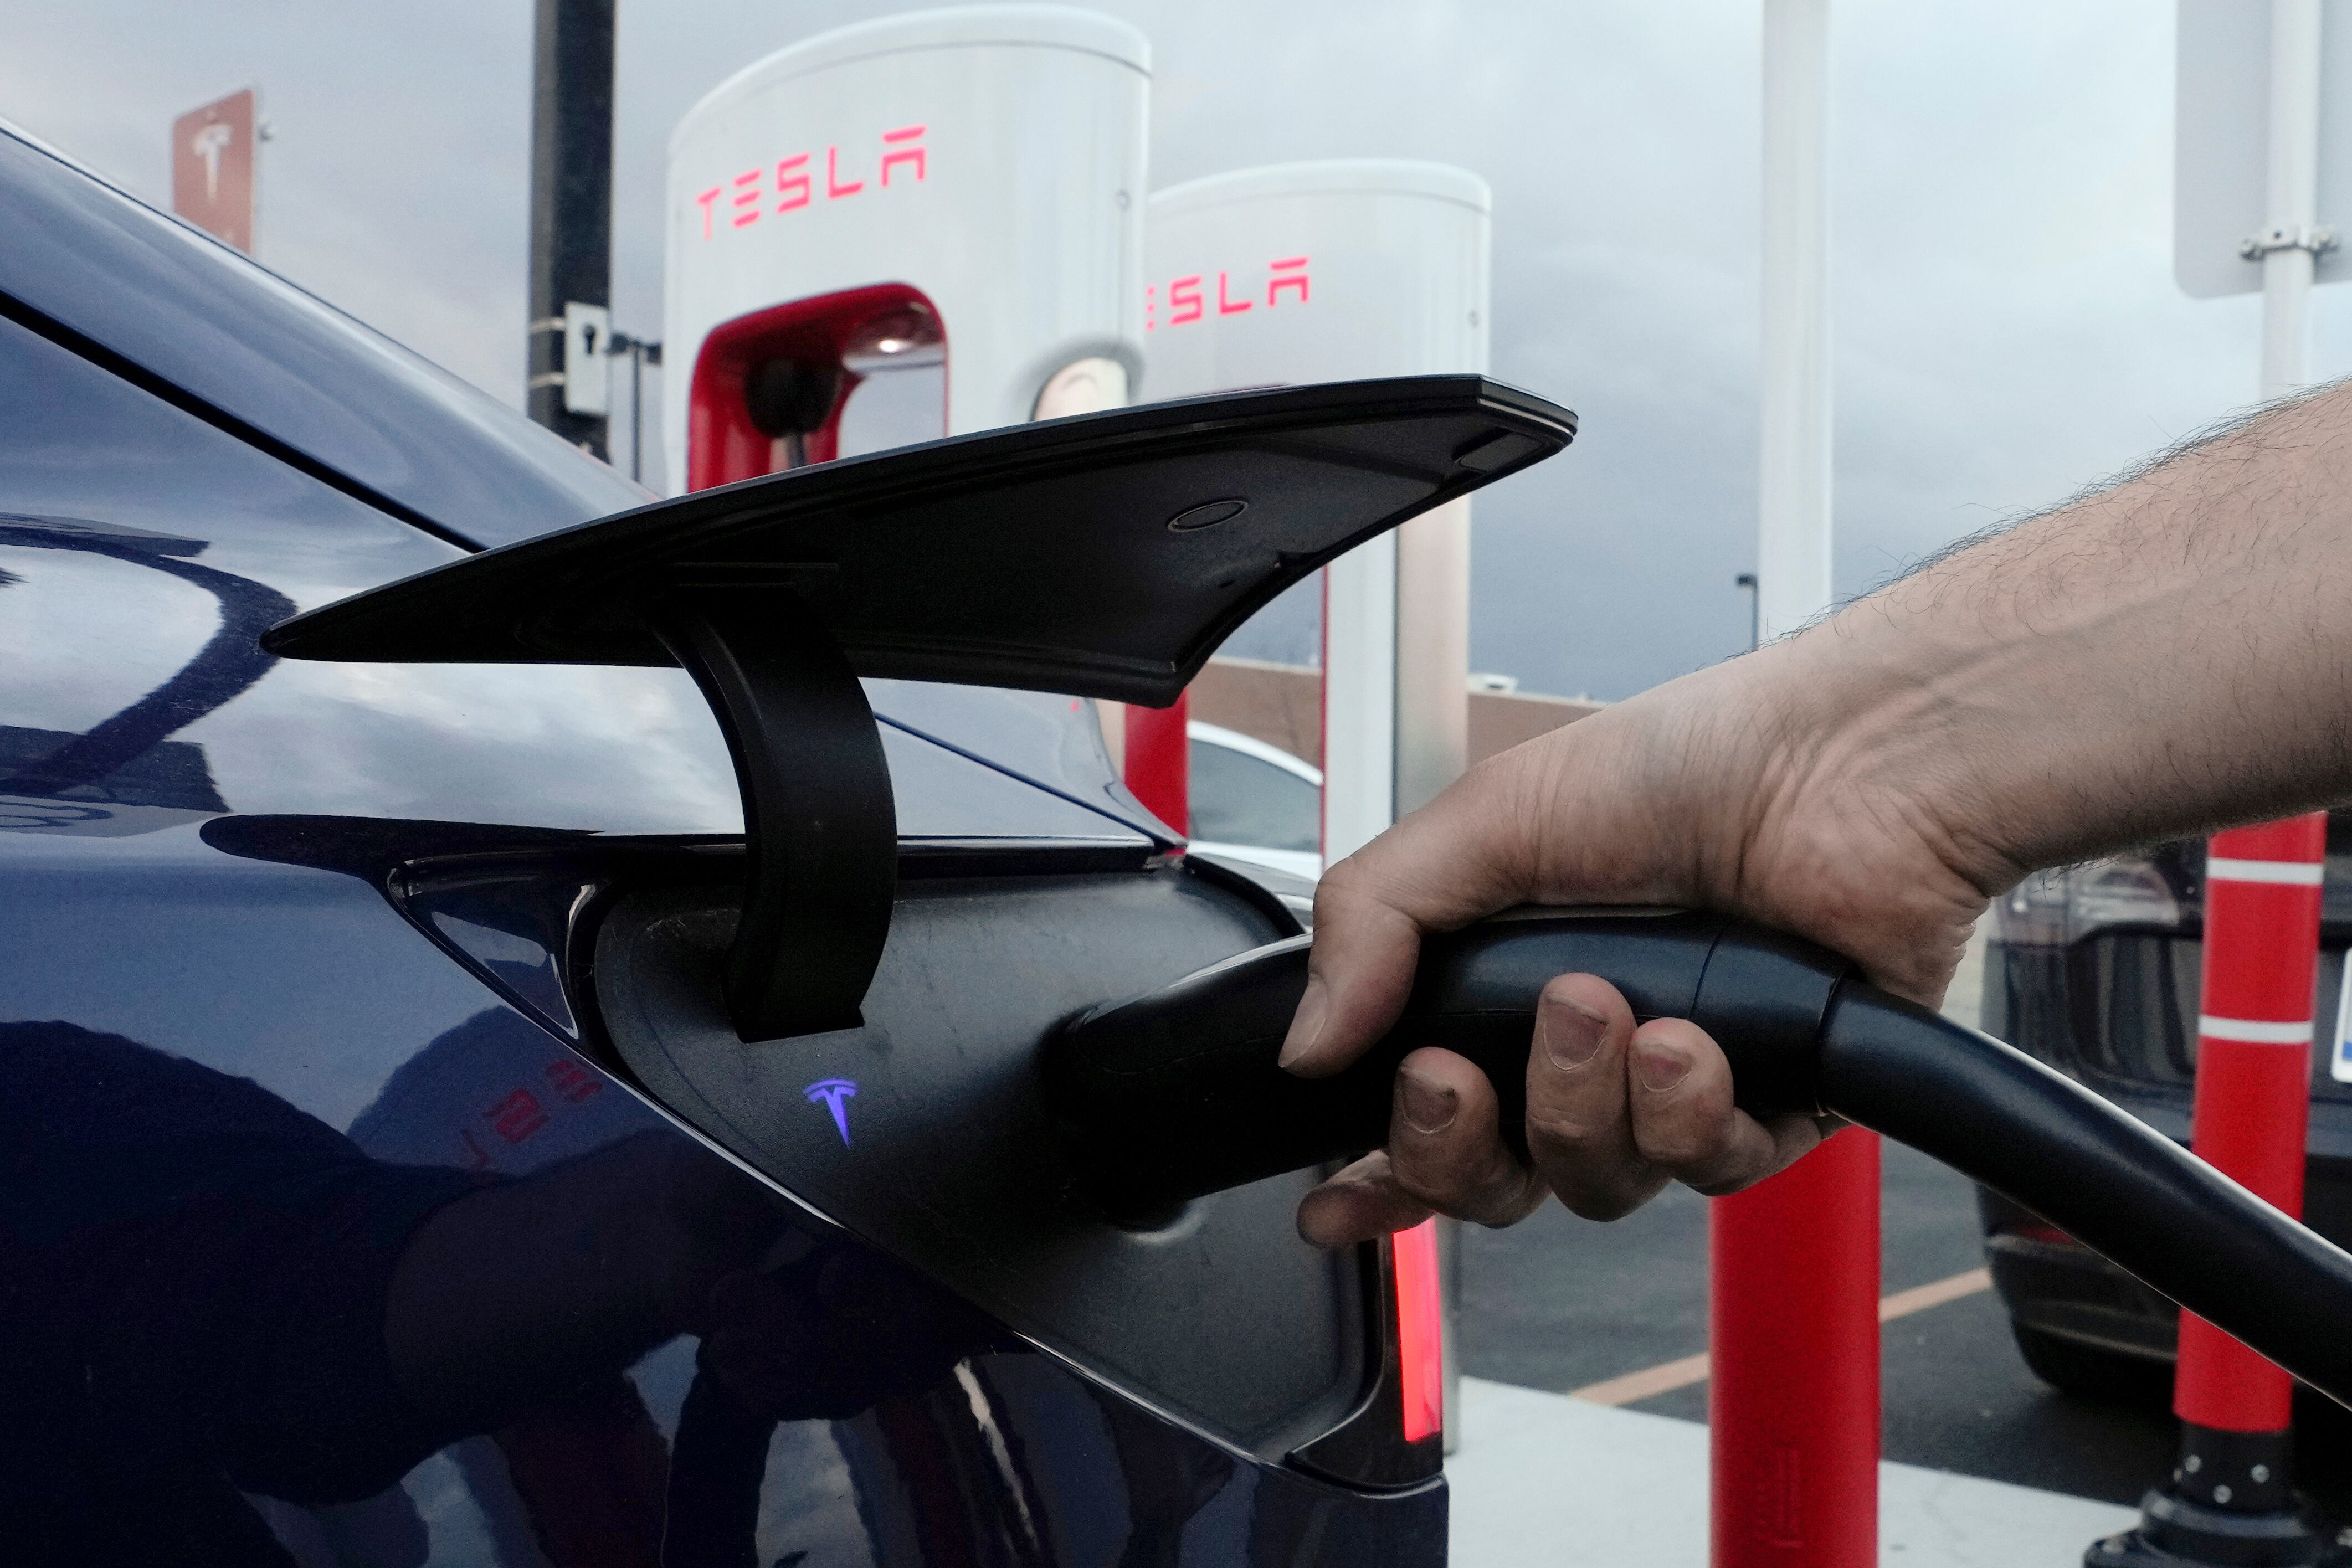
(923, 1129)
(862, 1021)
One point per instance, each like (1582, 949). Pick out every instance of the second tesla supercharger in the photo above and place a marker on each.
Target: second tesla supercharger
(1331, 271)
(962, 185)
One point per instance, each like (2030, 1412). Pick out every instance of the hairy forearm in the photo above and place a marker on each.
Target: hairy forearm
(2166, 657)
(2163, 657)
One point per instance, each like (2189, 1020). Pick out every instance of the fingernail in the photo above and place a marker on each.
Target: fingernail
(1660, 1065)
(1305, 1026)
(1428, 1107)
(1571, 1033)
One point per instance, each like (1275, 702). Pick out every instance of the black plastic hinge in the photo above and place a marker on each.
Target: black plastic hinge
(820, 826)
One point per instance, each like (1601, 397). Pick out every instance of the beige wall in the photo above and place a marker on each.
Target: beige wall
(1282, 705)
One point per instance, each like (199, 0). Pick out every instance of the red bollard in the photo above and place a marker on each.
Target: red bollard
(1793, 1402)
(2231, 1491)
(1159, 761)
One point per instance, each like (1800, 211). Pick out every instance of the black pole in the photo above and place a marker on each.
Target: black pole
(571, 196)
(1746, 580)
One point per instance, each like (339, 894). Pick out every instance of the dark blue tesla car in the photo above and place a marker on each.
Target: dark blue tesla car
(525, 1056)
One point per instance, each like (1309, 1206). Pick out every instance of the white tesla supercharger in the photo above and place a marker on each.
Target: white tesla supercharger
(962, 186)
(1330, 271)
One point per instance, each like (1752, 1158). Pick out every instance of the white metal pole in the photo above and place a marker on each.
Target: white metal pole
(2293, 193)
(1793, 504)
(1432, 749)
(1359, 696)
(1793, 1263)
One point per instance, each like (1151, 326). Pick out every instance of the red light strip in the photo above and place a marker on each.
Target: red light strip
(1421, 1344)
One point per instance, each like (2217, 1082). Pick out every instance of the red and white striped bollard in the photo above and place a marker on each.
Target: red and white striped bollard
(2231, 1491)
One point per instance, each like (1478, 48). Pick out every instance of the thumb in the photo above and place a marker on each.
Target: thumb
(1359, 974)
(1438, 869)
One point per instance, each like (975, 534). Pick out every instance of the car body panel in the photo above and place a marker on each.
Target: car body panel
(199, 316)
(325, 1241)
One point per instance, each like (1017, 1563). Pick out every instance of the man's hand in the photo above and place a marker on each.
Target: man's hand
(2158, 659)
(1648, 802)
(1614, 1113)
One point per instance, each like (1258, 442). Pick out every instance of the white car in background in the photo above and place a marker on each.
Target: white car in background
(1255, 803)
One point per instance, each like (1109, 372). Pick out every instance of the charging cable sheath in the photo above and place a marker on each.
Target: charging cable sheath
(1178, 1093)
(2109, 1180)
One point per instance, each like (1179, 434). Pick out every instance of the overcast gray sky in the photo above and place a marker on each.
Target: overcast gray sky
(2006, 324)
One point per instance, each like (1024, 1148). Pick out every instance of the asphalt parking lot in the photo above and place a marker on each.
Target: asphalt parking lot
(1559, 1303)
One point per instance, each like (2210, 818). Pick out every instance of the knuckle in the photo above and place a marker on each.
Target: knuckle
(1737, 1163)
(1428, 1177)
(1558, 1131)
(1505, 1212)
(1688, 1145)
(1737, 1170)
(1603, 1206)
(1611, 1194)
(1339, 880)
(1335, 892)
(1600, 1178)
(1465, 1182)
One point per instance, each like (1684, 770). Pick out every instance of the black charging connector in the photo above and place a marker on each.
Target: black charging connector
(1178, 1093)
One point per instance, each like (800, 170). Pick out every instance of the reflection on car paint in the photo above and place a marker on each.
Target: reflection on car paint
(198, 314)
(257, 1304)
(42, 770)
(270, 1351)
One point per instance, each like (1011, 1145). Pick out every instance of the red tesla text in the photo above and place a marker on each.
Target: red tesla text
(905, 161)
(1238, 291)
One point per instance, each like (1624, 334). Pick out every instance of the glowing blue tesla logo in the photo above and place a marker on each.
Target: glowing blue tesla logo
(834, 1093)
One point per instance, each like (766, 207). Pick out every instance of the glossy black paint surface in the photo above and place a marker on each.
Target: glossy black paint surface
(1040, 556)
(1206, 1044)
(320, 1240)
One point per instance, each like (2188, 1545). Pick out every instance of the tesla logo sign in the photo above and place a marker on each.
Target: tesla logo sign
(834, 1094)
(212, 168)
(793, 183)
(1195, 299)
(209, 144)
